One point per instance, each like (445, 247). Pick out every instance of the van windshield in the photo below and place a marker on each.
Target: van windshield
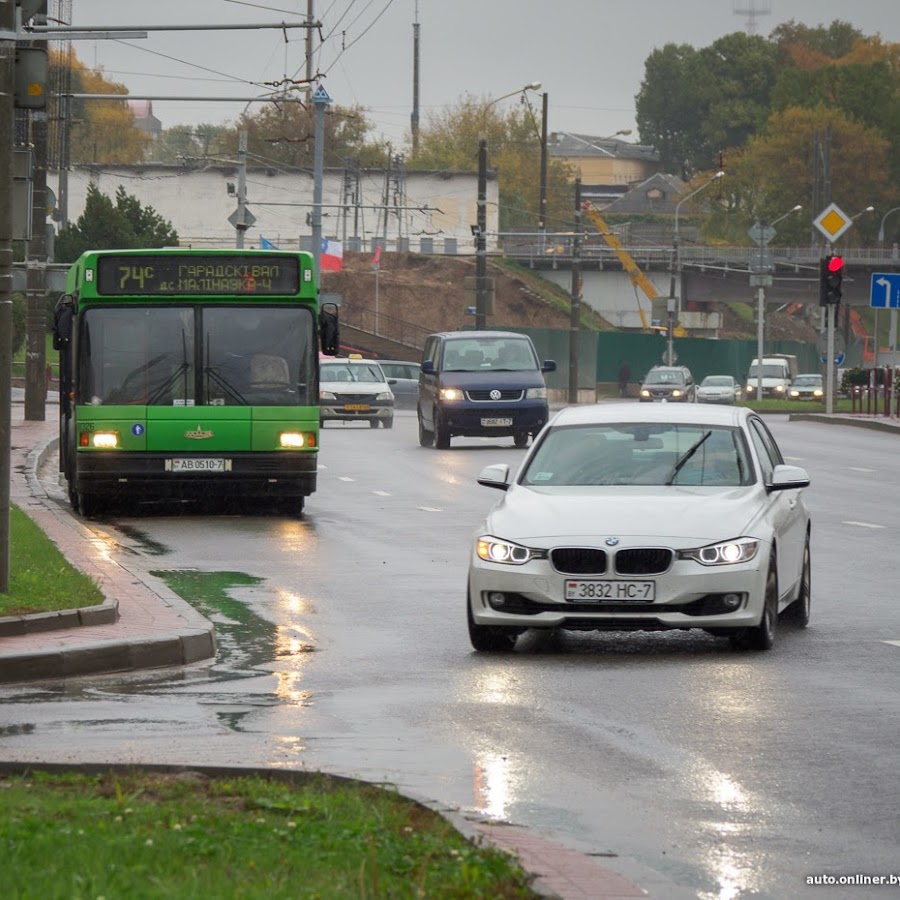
(489, 355)
(769, 370)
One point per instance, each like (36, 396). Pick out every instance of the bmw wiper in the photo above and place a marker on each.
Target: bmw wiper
(682, 460)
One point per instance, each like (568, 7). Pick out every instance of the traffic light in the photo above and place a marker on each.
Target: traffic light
(831, 274)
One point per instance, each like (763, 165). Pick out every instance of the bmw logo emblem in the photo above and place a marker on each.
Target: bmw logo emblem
(611, 542)
(495, 394)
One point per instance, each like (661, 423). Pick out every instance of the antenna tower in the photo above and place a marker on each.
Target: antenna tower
(752, 9)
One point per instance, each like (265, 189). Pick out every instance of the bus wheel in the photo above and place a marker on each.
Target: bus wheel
(88, 505)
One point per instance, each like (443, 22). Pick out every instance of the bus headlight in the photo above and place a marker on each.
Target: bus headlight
(104, 440)
(296, 439)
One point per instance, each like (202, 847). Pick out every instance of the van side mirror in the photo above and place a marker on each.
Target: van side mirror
(428, 366)
(548, 365)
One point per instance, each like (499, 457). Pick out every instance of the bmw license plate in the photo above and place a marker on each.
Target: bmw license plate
(496, 423)
(198, 464)
(595, 591)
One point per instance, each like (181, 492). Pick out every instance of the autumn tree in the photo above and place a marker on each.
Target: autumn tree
(450, 140)
(104, 225)
(186, 144)
(774, 171)
(101, 131)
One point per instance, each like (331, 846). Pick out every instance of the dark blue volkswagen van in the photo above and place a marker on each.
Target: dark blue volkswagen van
(481, 383)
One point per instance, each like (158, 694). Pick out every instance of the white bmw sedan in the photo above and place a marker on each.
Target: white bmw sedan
(626, 518)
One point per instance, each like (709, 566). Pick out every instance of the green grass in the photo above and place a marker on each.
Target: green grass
(141, 834)
(40, 577)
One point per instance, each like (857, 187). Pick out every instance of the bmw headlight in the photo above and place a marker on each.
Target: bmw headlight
(724, 553)
(496, 550)
(451, 394)
(538, 393)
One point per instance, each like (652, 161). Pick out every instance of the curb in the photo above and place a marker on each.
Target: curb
(872, 424)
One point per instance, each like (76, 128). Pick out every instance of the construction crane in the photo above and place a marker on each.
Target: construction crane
(638, 278)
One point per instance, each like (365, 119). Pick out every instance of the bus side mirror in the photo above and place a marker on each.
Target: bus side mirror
(62, 321)
(329, 329)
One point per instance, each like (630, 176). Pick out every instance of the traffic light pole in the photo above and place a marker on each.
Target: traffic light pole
(830, 313)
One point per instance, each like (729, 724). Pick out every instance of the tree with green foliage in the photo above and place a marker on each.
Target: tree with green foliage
(104, 225)
(774, 171)
(186, 144)
(450, 140)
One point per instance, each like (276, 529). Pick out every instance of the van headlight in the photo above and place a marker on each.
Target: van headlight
(536, 393)
(451, 394)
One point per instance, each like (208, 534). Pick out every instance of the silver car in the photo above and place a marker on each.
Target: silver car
(630, 518)
(719, 389)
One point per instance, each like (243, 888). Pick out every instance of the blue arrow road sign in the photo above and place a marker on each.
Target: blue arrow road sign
(885, 292)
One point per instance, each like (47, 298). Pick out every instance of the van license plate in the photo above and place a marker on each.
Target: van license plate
(496, 423)
(590, 591)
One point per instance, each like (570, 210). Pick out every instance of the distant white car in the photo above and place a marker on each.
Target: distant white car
(354, 388)
(807, 387)
(719, 389)
(626, 518)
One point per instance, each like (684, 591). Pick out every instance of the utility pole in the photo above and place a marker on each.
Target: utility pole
(240, 226)
(542, 202)
(36, 286)
(414, 118)
(309, 41)
(481, 240)
(320, 100)
(7, 130)
(575, 320)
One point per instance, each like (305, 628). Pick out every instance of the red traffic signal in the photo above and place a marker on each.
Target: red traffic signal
(831, 275)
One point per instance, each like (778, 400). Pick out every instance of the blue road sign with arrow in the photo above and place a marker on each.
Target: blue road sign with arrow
(885, 293)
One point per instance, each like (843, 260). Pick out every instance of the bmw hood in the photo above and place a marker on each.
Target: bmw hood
(674, 516)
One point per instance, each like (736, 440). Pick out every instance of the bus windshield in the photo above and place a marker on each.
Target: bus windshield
(197, 355)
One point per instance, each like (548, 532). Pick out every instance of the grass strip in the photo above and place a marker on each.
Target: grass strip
(142, 834)
(41, 579)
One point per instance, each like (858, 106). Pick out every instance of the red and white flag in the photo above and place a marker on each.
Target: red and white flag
(332, 257)
(376, 259)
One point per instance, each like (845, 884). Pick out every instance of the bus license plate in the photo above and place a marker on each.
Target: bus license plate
(198, 464)
(496, 423)
(591, 591)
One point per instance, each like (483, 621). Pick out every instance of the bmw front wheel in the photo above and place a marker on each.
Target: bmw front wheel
(489, 638)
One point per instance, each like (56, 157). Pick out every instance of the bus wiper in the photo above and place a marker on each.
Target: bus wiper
(682, 460)
(160, 392)
(210, 372)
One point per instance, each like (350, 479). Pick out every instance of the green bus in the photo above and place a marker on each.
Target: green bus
(191, 374)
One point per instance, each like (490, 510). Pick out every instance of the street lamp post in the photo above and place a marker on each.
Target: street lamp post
(883, 220)
(763, 232)
(480, 230)
(675, 269)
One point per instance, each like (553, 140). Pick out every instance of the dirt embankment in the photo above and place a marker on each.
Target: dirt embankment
(429, 292)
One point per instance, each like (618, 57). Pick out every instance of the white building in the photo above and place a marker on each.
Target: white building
(426, 211)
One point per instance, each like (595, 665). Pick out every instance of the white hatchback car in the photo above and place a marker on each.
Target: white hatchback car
(719, 389)
(626, 518)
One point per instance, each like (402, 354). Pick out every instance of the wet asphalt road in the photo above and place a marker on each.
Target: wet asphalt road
(734, 775)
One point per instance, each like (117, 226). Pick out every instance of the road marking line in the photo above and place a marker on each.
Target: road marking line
(345, 478)
(864, 524)
(895, 643)
(860, 469)
(430, 509)
(381, 493)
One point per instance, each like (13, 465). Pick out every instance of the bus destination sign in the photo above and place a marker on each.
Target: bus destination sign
(197, 275)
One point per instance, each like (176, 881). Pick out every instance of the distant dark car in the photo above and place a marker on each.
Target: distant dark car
(406, 374)
(668, 384)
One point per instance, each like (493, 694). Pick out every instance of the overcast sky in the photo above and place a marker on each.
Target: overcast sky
(588, 54)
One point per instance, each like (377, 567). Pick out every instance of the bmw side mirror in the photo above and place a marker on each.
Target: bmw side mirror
(495, 476)
(788, 478)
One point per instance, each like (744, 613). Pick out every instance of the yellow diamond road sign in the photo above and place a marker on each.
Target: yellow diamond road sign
(832, 222)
